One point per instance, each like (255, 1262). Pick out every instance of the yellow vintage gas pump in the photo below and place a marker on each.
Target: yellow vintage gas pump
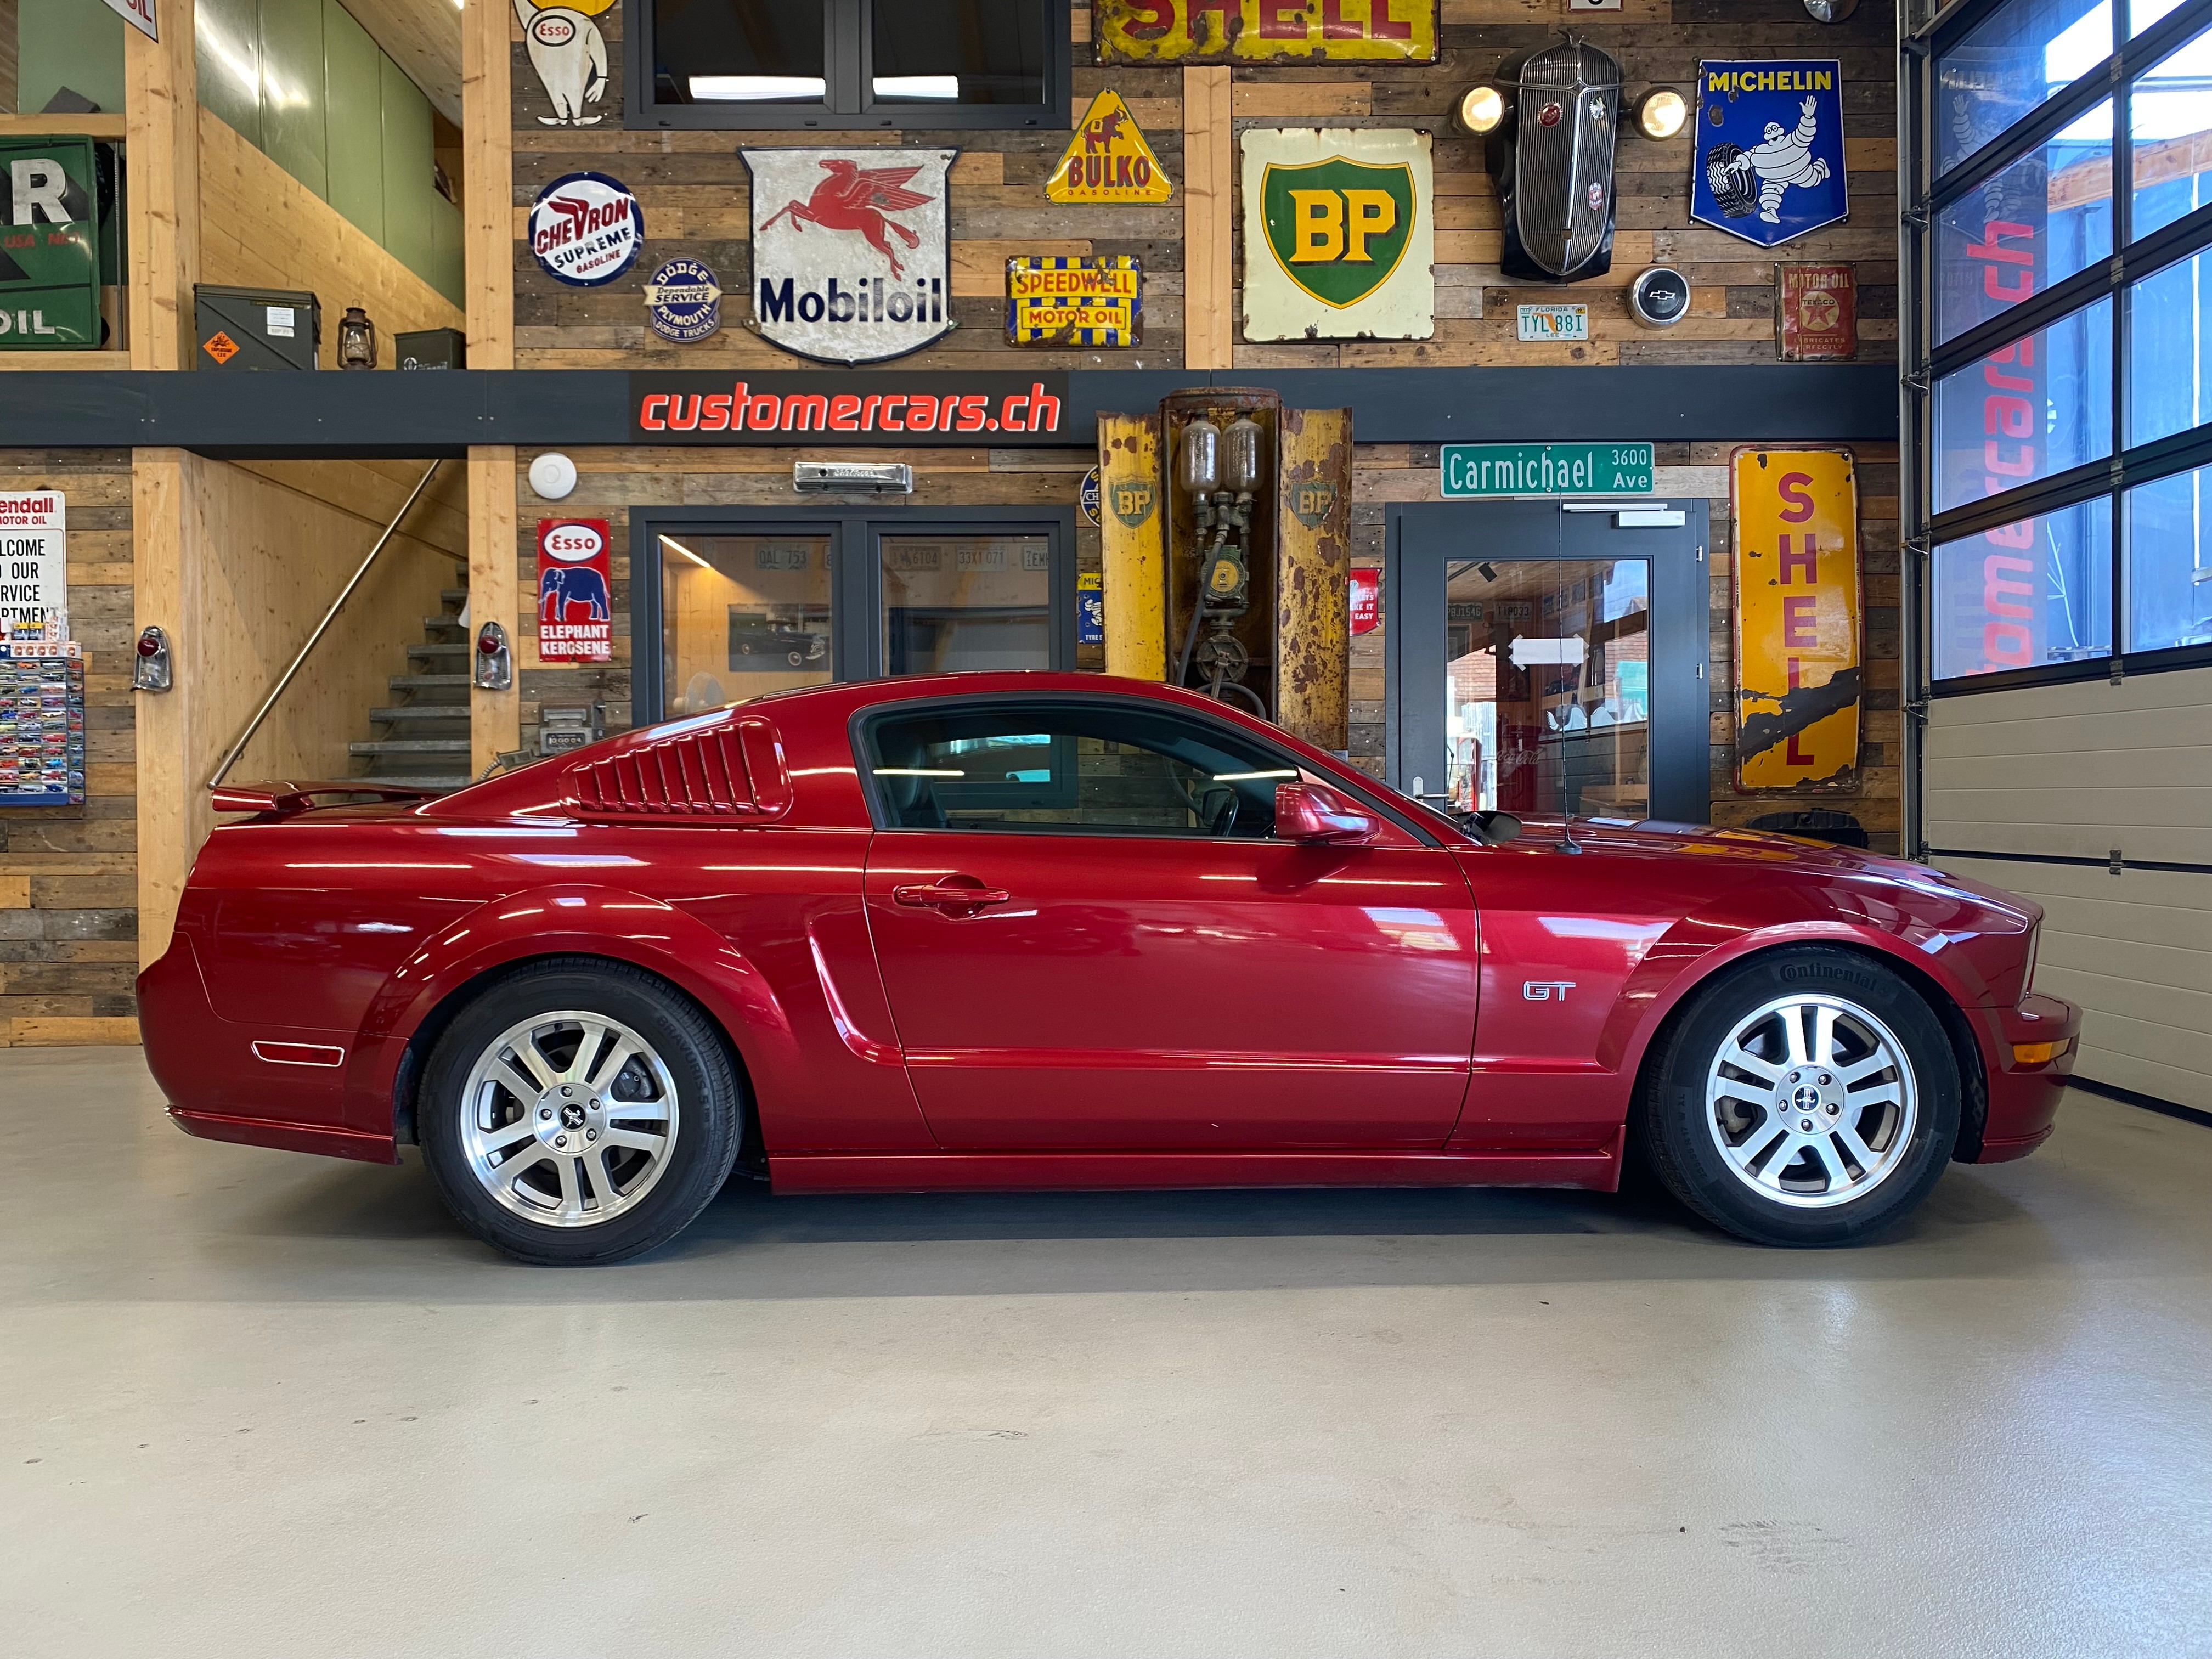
(1226, 531)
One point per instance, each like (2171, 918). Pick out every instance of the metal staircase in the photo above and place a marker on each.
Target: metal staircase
(423, 734)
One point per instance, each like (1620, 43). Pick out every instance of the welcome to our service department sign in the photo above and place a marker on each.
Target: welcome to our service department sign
(1799, 620)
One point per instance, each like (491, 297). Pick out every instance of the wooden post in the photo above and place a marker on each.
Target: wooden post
(1209, 297)
(1131, 545)
(161, 148)
(488, 240)
(1313, 598)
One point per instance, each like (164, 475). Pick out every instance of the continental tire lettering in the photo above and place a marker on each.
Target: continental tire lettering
(1792, 971)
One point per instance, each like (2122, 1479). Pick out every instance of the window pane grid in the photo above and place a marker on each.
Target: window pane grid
(2057, 193)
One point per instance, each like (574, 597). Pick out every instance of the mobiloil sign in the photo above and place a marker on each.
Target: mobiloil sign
(850, 252)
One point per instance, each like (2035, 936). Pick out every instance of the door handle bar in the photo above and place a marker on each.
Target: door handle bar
(948, 897)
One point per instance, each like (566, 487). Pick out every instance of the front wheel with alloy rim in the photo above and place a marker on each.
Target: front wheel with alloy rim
(578, 1113)
(1807, 1097)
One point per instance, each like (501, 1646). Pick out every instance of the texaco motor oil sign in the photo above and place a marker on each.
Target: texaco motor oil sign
(852, 255)
(1338, 235)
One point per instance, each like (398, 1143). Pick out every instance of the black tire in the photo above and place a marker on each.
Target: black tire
(1683, 1142)
(710, 1101)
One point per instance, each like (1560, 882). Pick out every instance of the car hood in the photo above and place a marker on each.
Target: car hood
(1764, 848)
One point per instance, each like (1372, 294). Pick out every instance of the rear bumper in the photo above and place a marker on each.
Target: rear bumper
(286, 1137)
(2023, 1099)
(261, 1085)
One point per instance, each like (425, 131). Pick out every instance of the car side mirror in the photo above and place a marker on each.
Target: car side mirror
(1310, 812)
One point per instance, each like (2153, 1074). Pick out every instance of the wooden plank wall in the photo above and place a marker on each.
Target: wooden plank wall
(692, 188)
(694, 191)
(69, 892)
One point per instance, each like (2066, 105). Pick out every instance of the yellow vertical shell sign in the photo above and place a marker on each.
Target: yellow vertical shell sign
(1799, 652)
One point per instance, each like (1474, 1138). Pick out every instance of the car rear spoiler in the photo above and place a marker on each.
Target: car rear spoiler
(285, 799)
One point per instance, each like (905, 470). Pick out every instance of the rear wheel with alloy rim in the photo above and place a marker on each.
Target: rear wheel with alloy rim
(1809, 1097)
(578, 1112)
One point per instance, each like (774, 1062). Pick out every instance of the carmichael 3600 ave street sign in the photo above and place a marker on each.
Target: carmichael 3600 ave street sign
(1483, 470)
(1339, 236)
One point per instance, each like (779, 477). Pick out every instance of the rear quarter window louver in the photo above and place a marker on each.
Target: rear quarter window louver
(734, 771)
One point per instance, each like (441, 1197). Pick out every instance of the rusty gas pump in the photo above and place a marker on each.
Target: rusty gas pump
(1226, 532)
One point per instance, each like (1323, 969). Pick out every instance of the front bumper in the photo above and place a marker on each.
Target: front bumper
(2023, 1096)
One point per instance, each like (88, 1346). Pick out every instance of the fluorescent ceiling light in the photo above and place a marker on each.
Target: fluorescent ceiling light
(917, 86)
(670, 541)
(740, 88)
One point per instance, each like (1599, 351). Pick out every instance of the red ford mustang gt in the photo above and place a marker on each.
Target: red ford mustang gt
(1056, 930)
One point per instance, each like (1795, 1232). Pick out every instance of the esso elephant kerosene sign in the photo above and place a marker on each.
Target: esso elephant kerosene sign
(575, 592)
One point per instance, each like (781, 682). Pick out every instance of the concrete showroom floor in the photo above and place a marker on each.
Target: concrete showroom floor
(264, 1405)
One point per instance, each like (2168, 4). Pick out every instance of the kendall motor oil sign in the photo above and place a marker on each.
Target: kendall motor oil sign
(852, 250)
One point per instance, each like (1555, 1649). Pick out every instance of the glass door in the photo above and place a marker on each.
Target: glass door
(735, 603)
(1548, 685)
(742, 616)
(1546, 660)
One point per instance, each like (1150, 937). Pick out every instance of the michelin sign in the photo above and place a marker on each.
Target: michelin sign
(1769, 148)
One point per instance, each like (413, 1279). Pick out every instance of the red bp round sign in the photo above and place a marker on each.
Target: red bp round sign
(585, 230)
(575, 594)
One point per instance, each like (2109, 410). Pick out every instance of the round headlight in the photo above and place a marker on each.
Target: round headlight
(1661, 113)
(1480, 110)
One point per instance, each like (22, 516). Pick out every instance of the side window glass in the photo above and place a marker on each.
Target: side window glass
(1097, 768)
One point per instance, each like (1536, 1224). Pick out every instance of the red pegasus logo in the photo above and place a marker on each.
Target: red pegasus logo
(856, 199)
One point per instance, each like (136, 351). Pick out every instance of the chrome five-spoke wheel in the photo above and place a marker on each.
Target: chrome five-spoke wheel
(1810, 1095)
(1811, 1100)
(568, 1118)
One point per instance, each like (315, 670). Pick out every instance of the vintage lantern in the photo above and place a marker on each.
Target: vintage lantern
(356, 339)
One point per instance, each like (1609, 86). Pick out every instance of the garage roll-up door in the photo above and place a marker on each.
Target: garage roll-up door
(2096, 800)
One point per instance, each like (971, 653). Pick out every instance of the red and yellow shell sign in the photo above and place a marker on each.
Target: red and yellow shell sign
(1799, 673)
(1263, 31)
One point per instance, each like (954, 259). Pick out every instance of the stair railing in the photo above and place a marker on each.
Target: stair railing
(230, 759)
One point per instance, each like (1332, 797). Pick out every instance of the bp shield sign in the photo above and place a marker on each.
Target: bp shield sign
(1339, 236)
(49, 245)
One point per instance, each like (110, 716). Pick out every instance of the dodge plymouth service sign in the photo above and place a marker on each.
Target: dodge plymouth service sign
(852, 256)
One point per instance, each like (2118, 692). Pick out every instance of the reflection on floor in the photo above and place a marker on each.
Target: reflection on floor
(251, 1395)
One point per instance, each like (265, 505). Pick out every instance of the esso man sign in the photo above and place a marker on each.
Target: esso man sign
(575, 592)
(585, 230)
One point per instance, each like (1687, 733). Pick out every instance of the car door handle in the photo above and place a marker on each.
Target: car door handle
(947, 895)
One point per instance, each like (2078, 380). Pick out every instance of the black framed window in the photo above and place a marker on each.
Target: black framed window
(847, 63)
(2056, 333)
(730, 605)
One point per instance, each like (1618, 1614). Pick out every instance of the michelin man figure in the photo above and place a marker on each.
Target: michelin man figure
(1785, 159)
(570, 56)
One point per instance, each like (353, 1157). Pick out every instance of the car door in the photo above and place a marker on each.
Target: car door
(1091, 940)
